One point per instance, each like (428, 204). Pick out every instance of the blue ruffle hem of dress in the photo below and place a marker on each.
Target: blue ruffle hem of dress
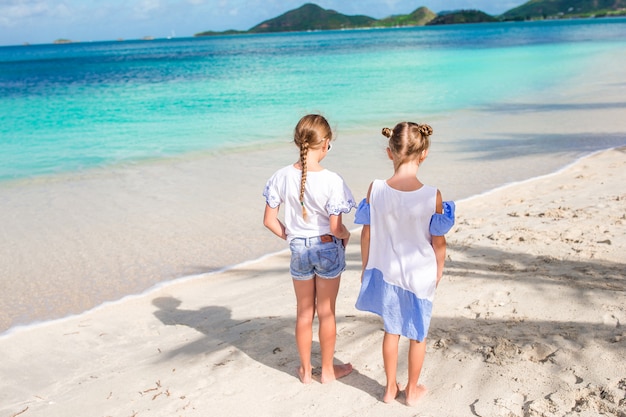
(402, 311)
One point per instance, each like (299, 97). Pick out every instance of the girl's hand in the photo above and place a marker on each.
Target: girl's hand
(345, 241)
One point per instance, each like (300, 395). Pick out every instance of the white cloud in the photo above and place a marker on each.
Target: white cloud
(145, 9)
(13, 12)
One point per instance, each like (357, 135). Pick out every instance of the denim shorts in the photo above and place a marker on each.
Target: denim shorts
(312, 256)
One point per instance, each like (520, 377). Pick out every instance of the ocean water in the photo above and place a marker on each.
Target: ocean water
(66, 108)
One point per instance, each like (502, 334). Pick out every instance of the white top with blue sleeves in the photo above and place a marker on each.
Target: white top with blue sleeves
(440, 224)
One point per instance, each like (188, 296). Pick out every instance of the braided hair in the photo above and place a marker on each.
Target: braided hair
(310, 133)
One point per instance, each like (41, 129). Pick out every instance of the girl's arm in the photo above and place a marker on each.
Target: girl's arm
(272, 222)
(339, 230)
(365, 239)
(365, 247)
(439, 243)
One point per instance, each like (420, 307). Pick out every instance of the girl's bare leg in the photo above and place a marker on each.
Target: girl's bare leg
(414, 392)
(305, 297)
(390, 360)
(327, 290)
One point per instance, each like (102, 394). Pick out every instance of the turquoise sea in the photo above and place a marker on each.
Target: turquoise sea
(72, 107)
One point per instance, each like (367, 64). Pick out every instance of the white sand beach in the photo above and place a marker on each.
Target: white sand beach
(528, 321)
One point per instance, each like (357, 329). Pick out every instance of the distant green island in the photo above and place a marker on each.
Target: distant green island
(311, 17)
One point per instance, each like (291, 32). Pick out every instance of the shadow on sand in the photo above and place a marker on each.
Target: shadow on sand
(270, 340)
(267, 340)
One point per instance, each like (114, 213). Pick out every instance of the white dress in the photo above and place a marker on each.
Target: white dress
(401, 273)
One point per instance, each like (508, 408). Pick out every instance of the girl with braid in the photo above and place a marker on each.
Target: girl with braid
(403, 249)
(314, 199)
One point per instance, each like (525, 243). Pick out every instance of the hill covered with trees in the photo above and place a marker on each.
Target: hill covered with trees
(560, 9)
(463, 16)
(311, 17)
(419, 17)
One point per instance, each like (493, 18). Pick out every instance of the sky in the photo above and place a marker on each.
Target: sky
(44, 21)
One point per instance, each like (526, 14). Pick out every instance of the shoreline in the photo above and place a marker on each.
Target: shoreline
(190, 278)
(108, 304)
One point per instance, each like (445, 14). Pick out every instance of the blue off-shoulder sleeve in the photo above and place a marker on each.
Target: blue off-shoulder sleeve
(440, 224)
(362, 215)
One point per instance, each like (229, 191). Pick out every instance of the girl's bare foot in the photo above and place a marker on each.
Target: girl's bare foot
(414, 394)
(339, 371)
(305, 377)
(391, 393)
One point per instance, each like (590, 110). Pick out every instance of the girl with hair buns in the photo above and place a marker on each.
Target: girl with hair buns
(314, 199)
(403, 250)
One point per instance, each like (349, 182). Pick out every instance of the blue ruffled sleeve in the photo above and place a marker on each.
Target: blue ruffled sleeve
(362, 215)
(440, 224)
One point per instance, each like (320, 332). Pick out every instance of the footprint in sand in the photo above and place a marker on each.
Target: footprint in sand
(501, 298)
(610, 320)
(473, 310)
(569, 376)
(538, 352)
(503, 351)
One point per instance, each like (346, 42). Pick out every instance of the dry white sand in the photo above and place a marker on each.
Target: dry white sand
(528, 321)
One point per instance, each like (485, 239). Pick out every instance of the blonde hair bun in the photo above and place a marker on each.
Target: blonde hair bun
(425, 130)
